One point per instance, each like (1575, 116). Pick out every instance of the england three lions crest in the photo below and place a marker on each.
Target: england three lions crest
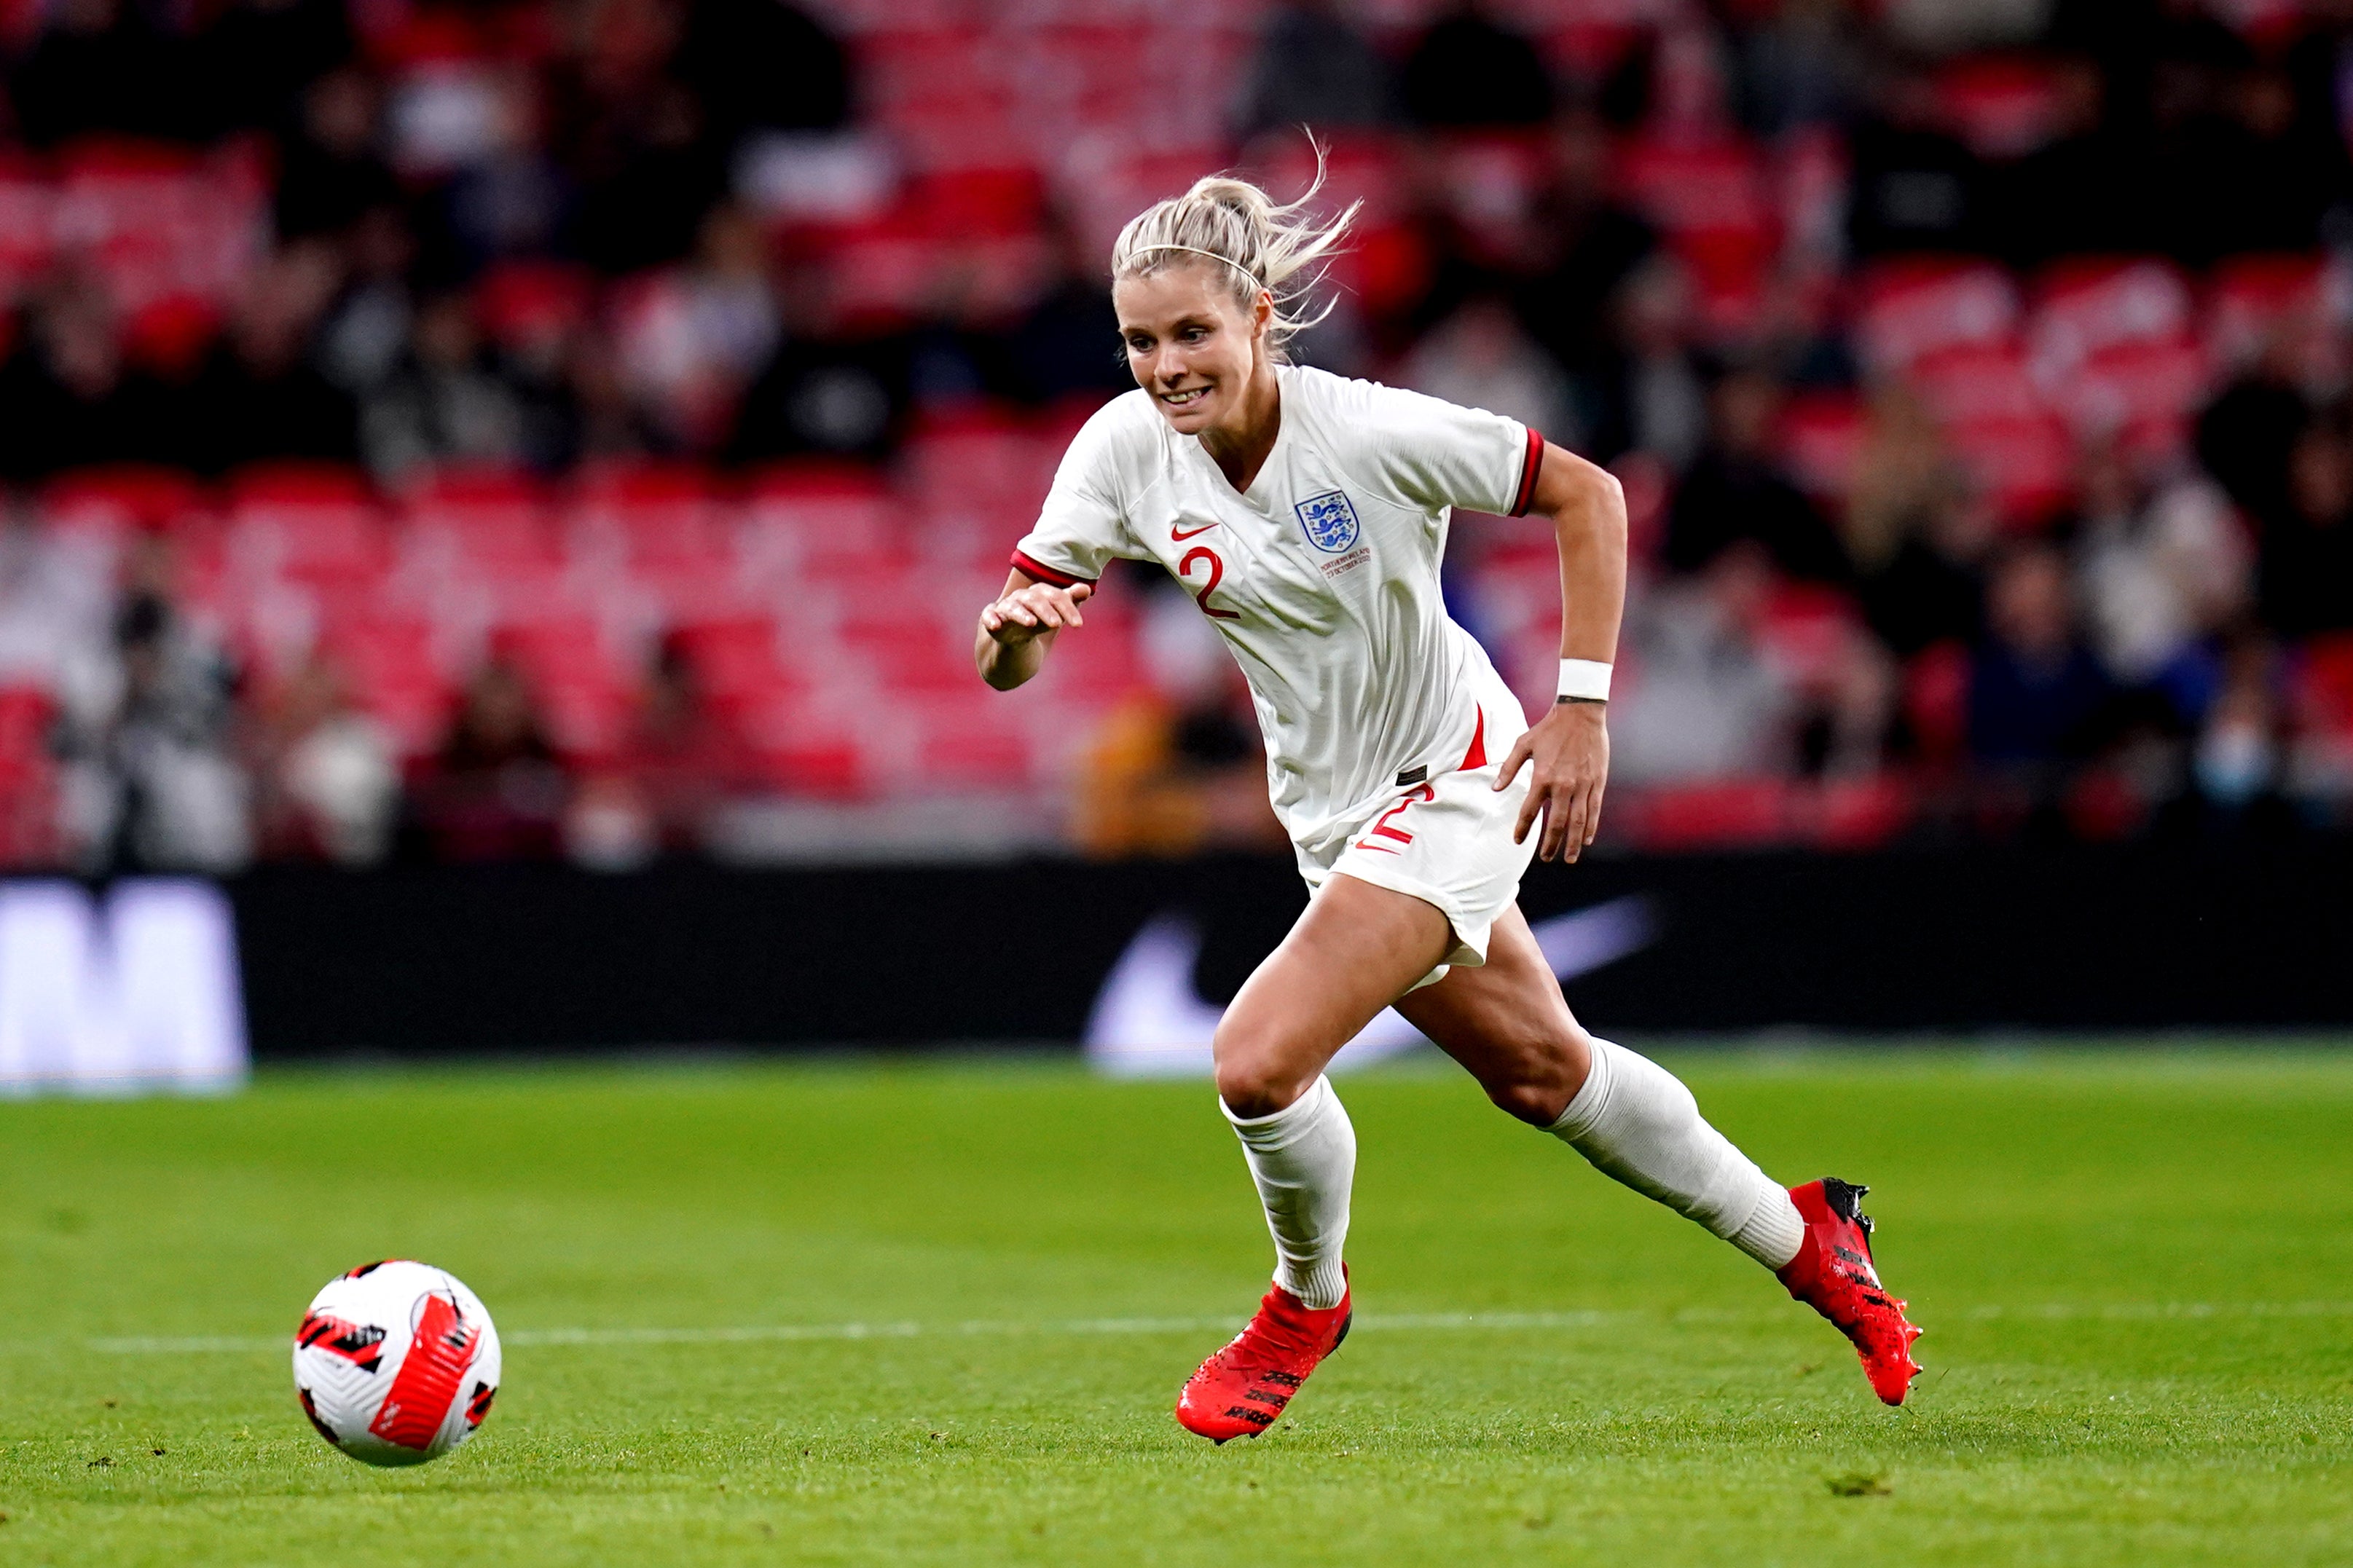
(1330, 521)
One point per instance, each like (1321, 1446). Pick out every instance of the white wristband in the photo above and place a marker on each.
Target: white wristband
(1585, 680)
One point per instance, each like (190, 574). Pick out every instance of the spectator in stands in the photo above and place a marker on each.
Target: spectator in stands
(55, 616)
(64, 387)
(332, 171)
(1901, 471)
(100, 66)
(1802, 64)
(684, 755)
(607, 421)
(1704, 700)
(539, 338)
(444, 403)
(2237, 762)
(510, 199)
(328, 784)
(1313, 68)
(364, 337)
(1479, 358)
(1915, 187)
(2161, 576)
(1929, 592)
(1735, 490)
(829, 389)
(256, 60)
(1587, 243)
(2037, 697)
(2305, 572)
(1179, 768)
(763, 65)
(1649, 394)
(700, 333)
(1067, 344)
(496, 790)
(262, 396)
(2245, 435)
(156, 784)
(2089, 188)
(2251, 177)
(650, 167)
(1471, 71)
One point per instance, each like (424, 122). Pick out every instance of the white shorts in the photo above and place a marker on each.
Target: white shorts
(1446, 841)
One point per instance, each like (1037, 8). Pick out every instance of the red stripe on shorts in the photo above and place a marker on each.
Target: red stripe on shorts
(1476, 757)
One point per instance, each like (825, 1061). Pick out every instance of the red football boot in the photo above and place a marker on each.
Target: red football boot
(1832, 1273)
(1241, 1390)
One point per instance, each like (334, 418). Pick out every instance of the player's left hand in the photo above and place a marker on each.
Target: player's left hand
(1570, 748)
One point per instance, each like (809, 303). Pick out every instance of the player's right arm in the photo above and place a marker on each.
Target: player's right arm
(1017, 630)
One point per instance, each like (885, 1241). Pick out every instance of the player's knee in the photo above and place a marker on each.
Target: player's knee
(1253, 1079)
(1538, 1104)
(1540, 1075)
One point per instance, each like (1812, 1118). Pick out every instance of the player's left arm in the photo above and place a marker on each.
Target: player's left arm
(1569, 746)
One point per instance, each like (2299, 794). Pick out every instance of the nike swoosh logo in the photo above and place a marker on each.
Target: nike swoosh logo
(1182, 534)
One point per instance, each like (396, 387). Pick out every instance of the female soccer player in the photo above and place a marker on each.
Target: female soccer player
(1306, 514)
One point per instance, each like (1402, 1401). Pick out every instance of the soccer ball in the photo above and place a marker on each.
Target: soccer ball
(396, 1362)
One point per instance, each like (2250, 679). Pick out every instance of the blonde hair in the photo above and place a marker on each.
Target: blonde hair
(1279, 248)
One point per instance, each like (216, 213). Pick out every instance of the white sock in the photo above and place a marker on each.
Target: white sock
(1304, 1159)
(1636, 1122)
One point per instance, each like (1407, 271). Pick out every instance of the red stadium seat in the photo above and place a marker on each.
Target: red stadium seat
(2323, 683)
(985, 462)
(27, 222)
(960, 748)
(583, 692)
(1823, 436)
(736, 659)
(1809, 630)
(1976, 382)
(915, 660)
(2026, 467)
(2004, 106)
(1711, 187)
(525, 301)
(802, 750)
(118, 498)
(1935, 702)
(481, 523)
(2250, 298)
(396, 675)
(2146, 393)
(291, 483)
(1917, 305)
(1588, 47)
(30, 826)
(1859, 813)
(2088, 305)
(1719, 814)
(312, 524)
(26, 714)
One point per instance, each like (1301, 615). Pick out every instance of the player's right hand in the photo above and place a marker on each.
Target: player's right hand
(1028, 612)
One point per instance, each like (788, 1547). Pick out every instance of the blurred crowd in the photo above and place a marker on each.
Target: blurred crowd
(1979, 373)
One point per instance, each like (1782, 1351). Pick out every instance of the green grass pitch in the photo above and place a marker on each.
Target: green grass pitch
(852, 1313)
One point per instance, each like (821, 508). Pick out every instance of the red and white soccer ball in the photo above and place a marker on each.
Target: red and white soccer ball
(396, 1362)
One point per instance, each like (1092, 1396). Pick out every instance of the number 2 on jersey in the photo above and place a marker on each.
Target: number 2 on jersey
(1217, 575)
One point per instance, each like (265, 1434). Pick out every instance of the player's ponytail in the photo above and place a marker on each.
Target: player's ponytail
(1280, 248)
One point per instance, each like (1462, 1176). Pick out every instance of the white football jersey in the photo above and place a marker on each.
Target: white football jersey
(1323, 576)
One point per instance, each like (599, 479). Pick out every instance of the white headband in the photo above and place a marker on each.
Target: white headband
(1256, 282)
